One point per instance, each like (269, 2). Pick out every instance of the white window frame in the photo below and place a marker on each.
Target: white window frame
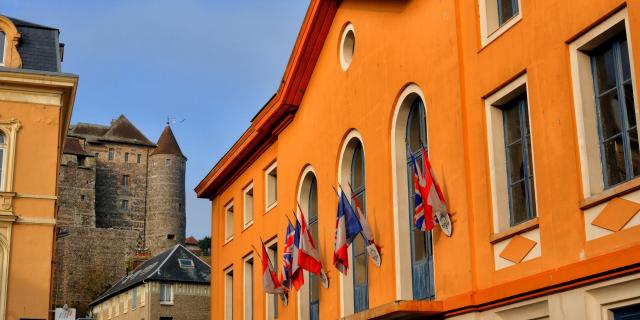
(273, 255)
(228, 223)
(248, 205)
(248, 283)
(347, 46)
(228, 293)
(111, 154)
(170, 289)
(489, 21)
(496, 150)
(270, 185)
(10, 130)
(584, 98)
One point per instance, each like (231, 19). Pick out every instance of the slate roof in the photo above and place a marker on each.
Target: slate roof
(121, 130)
(164, 267)
(39, 46)
(167, 144)
(73, 146)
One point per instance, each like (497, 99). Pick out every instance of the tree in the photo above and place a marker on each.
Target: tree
(205, 245)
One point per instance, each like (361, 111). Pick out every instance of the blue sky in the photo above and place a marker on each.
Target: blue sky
(212, 63)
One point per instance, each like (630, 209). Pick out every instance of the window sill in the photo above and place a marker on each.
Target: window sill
(247, 225)
(517, 229)
(491, 37)
(606, 195)
(271, 206)
(166, 303)
(228, 240)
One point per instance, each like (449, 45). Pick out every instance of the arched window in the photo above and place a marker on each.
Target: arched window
(360, 274)
(2, 41)
(421, 242)
(314, 283)
(3, 151)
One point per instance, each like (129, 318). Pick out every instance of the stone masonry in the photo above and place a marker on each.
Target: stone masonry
(111, 203)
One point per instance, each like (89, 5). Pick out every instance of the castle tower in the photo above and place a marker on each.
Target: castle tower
(166, 218)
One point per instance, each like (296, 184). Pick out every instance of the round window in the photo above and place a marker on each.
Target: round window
(347, 46)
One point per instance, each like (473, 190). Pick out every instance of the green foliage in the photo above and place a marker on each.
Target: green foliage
(205, 245)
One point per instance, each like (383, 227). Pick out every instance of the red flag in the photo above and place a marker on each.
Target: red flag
(270, 282)
(308, 257)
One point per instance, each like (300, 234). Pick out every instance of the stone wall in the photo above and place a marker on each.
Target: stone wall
(88, 261)
(166, 225)
(111, 191)
(76, 192)
(190, 301)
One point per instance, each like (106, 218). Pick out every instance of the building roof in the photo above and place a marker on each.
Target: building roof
(191, 240)
(39, 46)
(163, 267)
(120, 130)
(280, 109)
(73, 146)
(167, 144)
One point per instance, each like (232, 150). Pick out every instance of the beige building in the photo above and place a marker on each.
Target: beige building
(173, 285)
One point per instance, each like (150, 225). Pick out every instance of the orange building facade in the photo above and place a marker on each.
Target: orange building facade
(527, 110)
(36, 101)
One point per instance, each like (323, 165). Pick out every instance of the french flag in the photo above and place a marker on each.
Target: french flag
(308, 256)
(347, 228)
(287, 256)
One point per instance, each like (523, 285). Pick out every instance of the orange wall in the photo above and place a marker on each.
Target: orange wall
(436, 45)
(36, 168)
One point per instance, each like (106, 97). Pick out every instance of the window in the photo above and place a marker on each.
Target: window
(248, 205)
(617, 128)
(81, 161)
(347, 46)
(134, 298)
(82, 197)
(314, 280)
(97, 155)
(272, 299)
(228, 294)
(126, 157)
(248, 288)
(171, 236)
(138, 158)
(2, 41)
(496, 17)
(3, 151)
(627, 313)
(167, 162)
(228, 217)
(186, 263)
(517, 138)
(166, 293)
(124, 205)
(605, 105)
(271, 186)
(360, 272)
(125, 180)
(511, 155)
(111, 154)
(421, 242)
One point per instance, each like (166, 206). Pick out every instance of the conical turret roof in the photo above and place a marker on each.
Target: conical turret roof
(167, 144)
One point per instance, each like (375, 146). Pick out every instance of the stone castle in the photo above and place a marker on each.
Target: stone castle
(120, 197)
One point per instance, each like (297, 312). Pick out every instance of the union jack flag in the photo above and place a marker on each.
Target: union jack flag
(423, 214)
(287, 256)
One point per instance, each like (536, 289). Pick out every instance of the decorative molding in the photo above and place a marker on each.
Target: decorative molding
(36, 221)
(9, 128)
(6, 201)
(11, 56)
(36, 196)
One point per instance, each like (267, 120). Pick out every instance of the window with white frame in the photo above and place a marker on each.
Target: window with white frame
(8, 135)
(166, 293)
(228, 222)
(111, 154)
(126, 157)
(511, 155)
(605, 105)
(497, 16)
(271, 186)
(248, 288)
(248, 205)
(134, 298)
(272, 299)
(3, 151)
(228, 294)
